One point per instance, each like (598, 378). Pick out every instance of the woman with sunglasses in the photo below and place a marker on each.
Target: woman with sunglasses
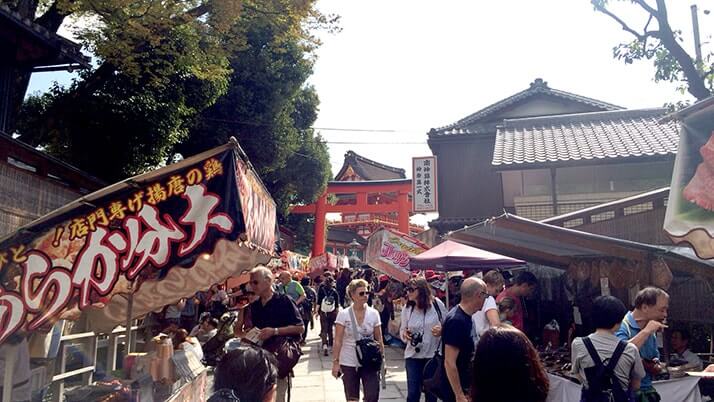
(344, 352)
(420, 329)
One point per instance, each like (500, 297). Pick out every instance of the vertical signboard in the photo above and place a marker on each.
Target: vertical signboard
(424, 186)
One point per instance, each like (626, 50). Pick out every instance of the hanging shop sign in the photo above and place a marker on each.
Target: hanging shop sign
(424, 185)
(690, 208)
(389, 251)
(170, 232)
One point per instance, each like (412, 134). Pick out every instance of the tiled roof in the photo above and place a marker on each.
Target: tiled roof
(344, 236)
(67, 52)
(444, 224)
(368, 169)
(584, 136)
(470, 124)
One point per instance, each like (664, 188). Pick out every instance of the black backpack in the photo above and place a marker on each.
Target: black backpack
(310, 298)
(603, 385)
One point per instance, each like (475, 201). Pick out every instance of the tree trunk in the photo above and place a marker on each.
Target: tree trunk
(695, 82)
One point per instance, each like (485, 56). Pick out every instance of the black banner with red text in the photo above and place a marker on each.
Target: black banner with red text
(82, 255)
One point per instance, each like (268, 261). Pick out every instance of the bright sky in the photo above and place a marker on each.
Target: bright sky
(403, 67)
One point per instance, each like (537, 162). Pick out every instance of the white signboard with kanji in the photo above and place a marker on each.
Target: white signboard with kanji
(424, 187)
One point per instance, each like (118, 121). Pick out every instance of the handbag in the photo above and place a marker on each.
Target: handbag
(369, 355)
(434, 374)
(287, 352)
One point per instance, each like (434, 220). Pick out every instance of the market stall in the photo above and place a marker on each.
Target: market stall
(136, 246)
(454, 256)
(573, 267)
(676, 390)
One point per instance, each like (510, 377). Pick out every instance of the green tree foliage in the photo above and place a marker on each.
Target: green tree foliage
(270, 110)
(659, 42)
(119, 128)
(302, 226)
(160, 64)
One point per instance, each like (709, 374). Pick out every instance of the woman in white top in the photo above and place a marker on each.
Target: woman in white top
(420, 329)
(488, 316)
(344, 352)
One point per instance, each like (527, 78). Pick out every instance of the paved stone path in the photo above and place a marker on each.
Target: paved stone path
(314, 382)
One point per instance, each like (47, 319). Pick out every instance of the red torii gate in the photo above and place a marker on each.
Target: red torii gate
(361, 191)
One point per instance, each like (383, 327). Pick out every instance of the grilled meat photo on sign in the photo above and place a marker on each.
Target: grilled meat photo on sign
(700, 189)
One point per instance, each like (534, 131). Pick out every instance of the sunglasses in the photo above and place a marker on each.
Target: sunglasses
(410, 289)
(363, 293)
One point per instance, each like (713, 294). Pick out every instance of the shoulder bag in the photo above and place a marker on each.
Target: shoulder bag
(434, 374)
(286, 349)
(369, 354)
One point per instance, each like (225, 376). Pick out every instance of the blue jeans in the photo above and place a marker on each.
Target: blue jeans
(415, 378)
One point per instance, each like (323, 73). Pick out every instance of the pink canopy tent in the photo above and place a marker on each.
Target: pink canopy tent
(453, 256)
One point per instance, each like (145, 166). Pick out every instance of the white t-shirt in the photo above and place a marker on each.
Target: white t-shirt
(417, 321)
(348, 354)
(480, 320)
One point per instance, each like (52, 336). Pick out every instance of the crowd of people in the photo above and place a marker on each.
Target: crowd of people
(475, 351)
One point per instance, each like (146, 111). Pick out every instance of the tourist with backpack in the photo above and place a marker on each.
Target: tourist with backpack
(420, 329)
(609, 368)
(328, 304)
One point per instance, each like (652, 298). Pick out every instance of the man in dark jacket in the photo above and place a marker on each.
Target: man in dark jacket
(274, 315)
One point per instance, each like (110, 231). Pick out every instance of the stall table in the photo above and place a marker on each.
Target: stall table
(685, 389)
(194, 390)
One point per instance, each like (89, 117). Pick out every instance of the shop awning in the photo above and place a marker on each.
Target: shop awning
(453, 256)
(560, 247)
(159, 236)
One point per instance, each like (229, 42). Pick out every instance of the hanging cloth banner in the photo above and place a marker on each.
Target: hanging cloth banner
(389, 252)
(172, 232)
(690, 208)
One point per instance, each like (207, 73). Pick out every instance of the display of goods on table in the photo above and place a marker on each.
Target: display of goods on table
(557, 361)
(154, 238)
(389, 251)
(690, 208)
